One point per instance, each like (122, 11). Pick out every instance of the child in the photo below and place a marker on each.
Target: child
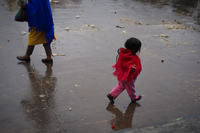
(127, 68)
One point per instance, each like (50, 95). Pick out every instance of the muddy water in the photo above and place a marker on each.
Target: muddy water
(70, 95)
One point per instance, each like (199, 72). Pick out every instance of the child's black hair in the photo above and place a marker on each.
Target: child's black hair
(133, 44)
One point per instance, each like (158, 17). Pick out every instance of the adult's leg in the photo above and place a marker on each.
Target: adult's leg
(27, 55)
(29, 50)
(48, 51)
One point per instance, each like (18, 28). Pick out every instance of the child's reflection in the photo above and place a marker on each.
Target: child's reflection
(38, 104)
(122, 121)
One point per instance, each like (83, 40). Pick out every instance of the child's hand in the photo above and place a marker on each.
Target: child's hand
(133, 67)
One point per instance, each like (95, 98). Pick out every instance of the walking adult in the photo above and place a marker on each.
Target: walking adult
(41, 28)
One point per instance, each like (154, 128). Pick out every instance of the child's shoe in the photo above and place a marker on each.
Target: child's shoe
(110, 97)
(139, 97)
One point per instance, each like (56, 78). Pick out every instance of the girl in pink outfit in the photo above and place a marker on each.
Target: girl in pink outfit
(127, 68)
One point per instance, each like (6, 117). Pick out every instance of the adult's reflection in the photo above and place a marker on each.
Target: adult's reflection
(122, 120)
(38, 105)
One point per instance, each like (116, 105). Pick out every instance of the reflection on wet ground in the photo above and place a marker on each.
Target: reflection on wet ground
(122, 120)
(38, 106)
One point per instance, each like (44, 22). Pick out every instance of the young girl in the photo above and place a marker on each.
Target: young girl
(127, 68)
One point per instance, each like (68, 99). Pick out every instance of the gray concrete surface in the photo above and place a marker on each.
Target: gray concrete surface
(181, 125)
(70, 95)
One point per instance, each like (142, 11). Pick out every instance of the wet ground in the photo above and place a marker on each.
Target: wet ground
(70, 95)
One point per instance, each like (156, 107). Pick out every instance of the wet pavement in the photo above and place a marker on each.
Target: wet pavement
(70, 95)
(180, 125)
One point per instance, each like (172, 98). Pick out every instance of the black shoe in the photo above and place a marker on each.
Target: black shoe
(110, 98)
(47, 61)
(139, 97)
(21, 59)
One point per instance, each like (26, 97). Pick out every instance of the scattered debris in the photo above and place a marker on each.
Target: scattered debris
(161, 35)
(174, 25)
(129, 21)
(177, 119)
(124, 32)
(41, 96)
(47, 82)
(183, 42)
(23, 33)
(55, 2)
(58, 54)
(93, 26)
(77, 85)
(67, 28)
(113, 126)
(89, 27)
(77, 16)
(120, 27)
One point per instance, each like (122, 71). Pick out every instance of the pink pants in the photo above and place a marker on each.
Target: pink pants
(130, 88)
